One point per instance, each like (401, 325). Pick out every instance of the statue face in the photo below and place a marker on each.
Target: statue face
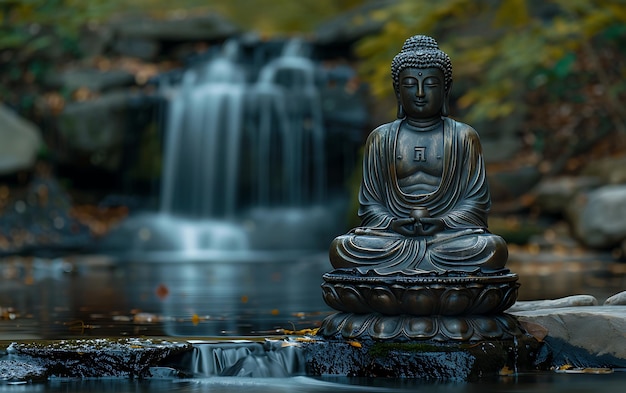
(422, 92)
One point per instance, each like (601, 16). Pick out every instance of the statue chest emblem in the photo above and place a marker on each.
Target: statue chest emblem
(418, 152)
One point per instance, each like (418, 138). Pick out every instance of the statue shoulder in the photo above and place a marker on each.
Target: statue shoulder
(381, 132)
(465, 131)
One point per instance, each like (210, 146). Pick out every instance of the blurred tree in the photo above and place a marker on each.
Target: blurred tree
(34, 34)
(559, 65)
(22, 20)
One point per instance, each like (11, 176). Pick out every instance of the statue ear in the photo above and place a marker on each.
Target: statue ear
(401, 113)
(445, 109)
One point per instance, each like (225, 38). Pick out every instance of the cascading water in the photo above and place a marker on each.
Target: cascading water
(203, 134)
(244, 199)
(244, 164)
(286, 92)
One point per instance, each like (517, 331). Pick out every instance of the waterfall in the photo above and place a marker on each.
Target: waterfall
(202, 136)
(218, 120)
(244, 161)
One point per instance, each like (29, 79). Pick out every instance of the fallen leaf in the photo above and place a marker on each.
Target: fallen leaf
(506, 371)
(162, 291)
(303, 332)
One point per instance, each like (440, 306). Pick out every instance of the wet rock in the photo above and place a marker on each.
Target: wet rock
(98, 357)
(93, 131)
(192, 28)
(95, 39)
(552, 195)
(569, 301)
(580, 336)
(20, 141)
(41, 221)
(138, 47)
(500, 148)
(512, 183)
(92, 79)
(13, 371)
(598, 218)
(417, 359)
(612, 170)
(619, 299)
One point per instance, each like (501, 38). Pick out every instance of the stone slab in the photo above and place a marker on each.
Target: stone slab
(593, 336)
(569, 301)
(129, 358)
(418, 359)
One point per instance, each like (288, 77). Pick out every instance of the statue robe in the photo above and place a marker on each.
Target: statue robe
(462, 201)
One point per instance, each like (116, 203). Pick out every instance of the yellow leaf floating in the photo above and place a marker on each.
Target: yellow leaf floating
(195, 319)
(506, 371)
(564, 367)
(569, 369)
(355, 344)
(302, 332)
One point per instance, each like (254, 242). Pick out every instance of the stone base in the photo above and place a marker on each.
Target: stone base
(452, 293)
(452, 361)
(403, 328)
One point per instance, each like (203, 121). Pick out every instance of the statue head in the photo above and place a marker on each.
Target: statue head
(421, 51)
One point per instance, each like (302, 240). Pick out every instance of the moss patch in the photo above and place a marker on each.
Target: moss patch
(381, 349)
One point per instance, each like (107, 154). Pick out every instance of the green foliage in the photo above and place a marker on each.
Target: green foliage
(500, 50)
(22, 20)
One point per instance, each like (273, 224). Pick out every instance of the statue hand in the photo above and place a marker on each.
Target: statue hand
(398, 226)
(430, 225)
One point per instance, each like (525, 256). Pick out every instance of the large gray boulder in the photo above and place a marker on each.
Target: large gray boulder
(579, 336)
(94, 131)
(569, 301)
(209, 27)
(20, 141)
(598, 218)
(512, 183)
(553, 194)
(619, 299)
(612, 170)
(90, 78)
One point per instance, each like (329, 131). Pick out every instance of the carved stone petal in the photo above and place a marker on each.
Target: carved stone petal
(455, 301)
(386, 328)
(489, 299)
(421, 327)
(419, 301)
(384, 301)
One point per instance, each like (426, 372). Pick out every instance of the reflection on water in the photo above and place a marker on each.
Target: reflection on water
(78, 297)
(523, 383)
(253, 294)
(250, 294)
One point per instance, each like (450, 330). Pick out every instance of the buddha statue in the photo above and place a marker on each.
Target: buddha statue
(424, 196)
